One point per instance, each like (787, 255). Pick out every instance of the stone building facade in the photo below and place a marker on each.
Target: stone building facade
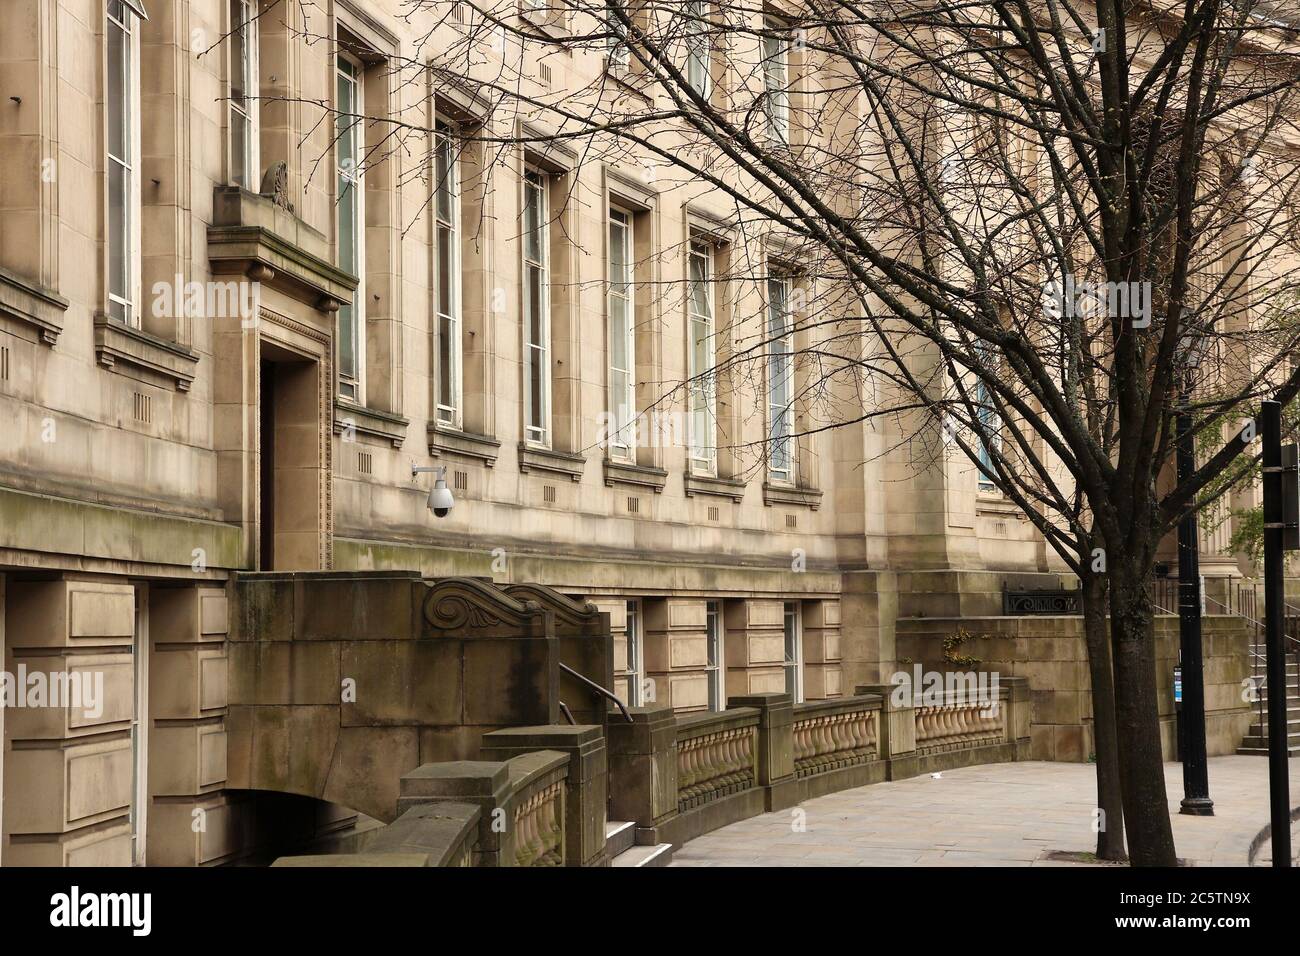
(232, 321)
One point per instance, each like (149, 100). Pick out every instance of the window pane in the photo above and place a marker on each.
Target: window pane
(239, 134)
(618, 356)
(118, 237)
(445, 272)
(446, 333)
(536, 371)
(535, 314)
(445, 172)
(533, 222)
(347, 341)
(238, 52)
(119, 110)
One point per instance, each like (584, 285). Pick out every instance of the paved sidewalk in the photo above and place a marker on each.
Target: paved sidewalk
(1010, 814)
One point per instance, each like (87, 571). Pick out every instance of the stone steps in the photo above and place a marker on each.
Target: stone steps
(621, 847)
(619, 836)
(661, 854)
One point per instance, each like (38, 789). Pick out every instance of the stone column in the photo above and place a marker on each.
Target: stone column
(775, 747)
(821, 649)
(676, 652)
(755, 646)
(897, 745)
(586, 790)
(643, 769)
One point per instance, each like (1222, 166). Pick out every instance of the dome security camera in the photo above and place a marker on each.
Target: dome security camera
(440, 499)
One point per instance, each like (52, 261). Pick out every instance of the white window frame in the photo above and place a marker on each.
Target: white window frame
(776, 79)
(449, 409)
(716, 638)
(987, 415)
(243, 28)
(635, 654)
(352, 384)
(537, 421)
(617, 51)
(781, 450)
(698, 48)
(792, 630)
(622, 407)
(702, 393)
(124, 308)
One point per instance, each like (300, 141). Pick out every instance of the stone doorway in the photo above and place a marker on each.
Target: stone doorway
(293, 461)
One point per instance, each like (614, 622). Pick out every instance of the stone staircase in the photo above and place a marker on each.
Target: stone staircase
(1256, 740)
(623, 850)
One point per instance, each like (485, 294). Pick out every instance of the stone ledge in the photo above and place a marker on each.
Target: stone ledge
(444, 441)
(370, 421)
(732, 488)
(40, 309)
(116, 342)
(532, 458)
(809, 498)
(640, 475)
(254, 237)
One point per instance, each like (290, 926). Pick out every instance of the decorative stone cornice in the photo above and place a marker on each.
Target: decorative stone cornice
(370, 421)
(532, 458)
(732, 488)
(458, 444)
(566, 608)
(41, 310)
(463, 604)
(617, 473)
(809, 498)
(117, 343)
(253, 236)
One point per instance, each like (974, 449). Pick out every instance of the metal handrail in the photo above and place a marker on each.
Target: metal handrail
(603, 691)
(568, 714)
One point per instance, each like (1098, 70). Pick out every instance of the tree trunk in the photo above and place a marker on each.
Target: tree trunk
(1110, 836)
(1142, 772)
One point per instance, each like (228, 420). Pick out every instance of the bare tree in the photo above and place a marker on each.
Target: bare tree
(1024, 233)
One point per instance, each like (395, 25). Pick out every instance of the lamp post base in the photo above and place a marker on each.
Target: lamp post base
(1197, 806)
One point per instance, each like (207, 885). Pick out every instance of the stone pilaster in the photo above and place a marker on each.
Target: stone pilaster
(616, 608)
(69, 770)
(822, 674)
(755, 646)
(190, 820)
(677, 653)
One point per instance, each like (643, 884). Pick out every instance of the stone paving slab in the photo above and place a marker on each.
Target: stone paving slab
(1010, 814)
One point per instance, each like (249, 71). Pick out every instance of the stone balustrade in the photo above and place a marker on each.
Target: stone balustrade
(959, 723)
(832, 734)
(676, 777)
(539, 825)
(715, 756)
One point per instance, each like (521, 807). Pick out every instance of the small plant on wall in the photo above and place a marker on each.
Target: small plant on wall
(952, 646)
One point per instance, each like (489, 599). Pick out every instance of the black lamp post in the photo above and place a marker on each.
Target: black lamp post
(1196, 781)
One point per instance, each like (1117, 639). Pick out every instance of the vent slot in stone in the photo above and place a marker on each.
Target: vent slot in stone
(365, 463)
(460, 480)
(141, 407)
(713, 513)
(792, 521)
(634, 506)
(4, 362)
(548, 494)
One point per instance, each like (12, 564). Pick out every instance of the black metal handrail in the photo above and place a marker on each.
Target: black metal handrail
(603, 691)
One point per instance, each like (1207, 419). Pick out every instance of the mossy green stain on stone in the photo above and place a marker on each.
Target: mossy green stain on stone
(44, 523)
